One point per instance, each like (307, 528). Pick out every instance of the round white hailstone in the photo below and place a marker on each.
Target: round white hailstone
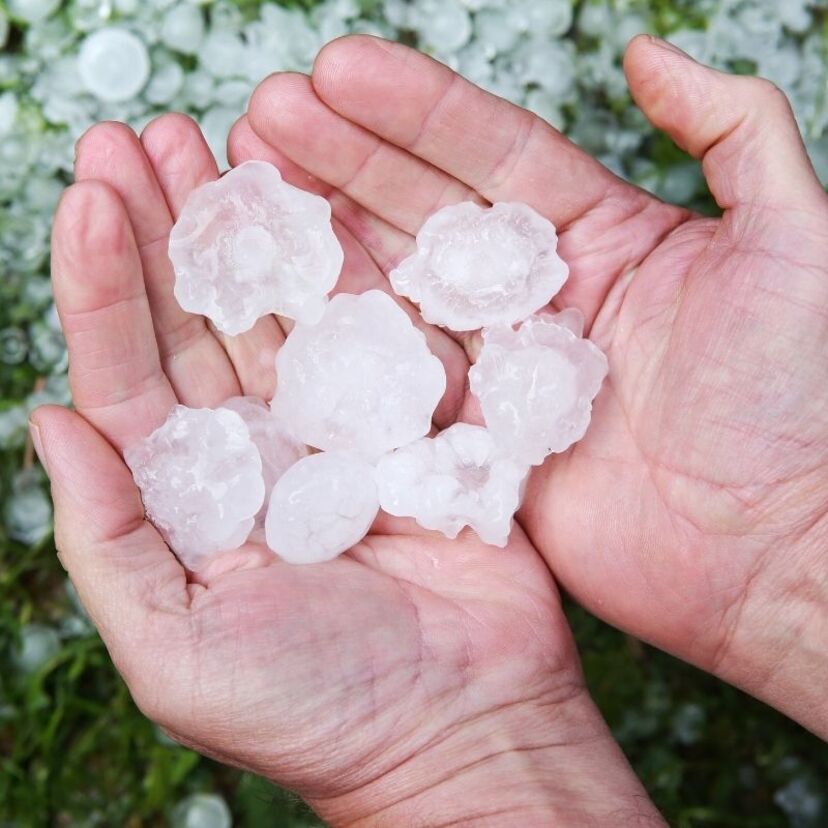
(113, 64)
(321, 507)
(251, 244)
(477, 267)
(536, 385)
(38, 644)
(33, 11)
(458, 478)
(216, 124)
(200, 477)
(183, 28)
(361, 380)
(202, 811)
(444, 25)
(277, 448)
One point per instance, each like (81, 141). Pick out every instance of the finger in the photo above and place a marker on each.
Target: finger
(195, 362)
(742, 128)
(500, 150)
(123, 571)
(399, 187)
(117, 380)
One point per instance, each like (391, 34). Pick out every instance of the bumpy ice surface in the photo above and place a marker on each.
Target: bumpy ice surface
(362, 379)
(477, 266)
(200, 477)
(536, 385)
(321, 507)
(458, 478)
(250, 244)
(277, 448)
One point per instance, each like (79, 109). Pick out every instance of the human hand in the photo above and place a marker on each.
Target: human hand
(415, 680)
(695, 512)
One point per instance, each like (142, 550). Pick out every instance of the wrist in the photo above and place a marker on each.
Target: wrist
(531, 764)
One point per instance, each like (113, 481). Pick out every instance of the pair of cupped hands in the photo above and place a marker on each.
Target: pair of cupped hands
(417, 680)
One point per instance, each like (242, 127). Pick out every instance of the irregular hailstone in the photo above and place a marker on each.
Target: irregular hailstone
(458, 478)
(536, 385)
(200, 477)
(277, 448)
(321, 507)
(362, 379)
(477, 266)
(251, 244)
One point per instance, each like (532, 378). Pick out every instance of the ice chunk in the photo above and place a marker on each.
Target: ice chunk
(362, 379)
(458, 478)
(536, 385)
(277, 448)
(477, 266)
(321, 507)
(251, 244)
(200, 476)
(114, 64)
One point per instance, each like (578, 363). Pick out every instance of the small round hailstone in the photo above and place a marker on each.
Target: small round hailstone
(200, 477)
(362, 379)
(458, 478)
(536, 385)
(114, 64)
(277, 448)
(321, 507)
(477, 267)
(251, 244)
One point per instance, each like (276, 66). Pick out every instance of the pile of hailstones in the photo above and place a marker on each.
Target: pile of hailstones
(346, 433)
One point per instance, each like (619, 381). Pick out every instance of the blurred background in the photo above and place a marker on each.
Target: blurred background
(74, 751)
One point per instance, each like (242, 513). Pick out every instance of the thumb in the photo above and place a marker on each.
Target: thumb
(741, 128)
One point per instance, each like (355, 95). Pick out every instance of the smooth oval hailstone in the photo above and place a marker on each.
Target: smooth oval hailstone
(200, 477)
(361, 380)
(251, 244)
(321, 507)
(536, 385)
(458, 478)
(477, 266)
(114, 64)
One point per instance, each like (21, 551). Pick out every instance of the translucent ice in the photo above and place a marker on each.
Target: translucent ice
(321, 507)
(536, 385)
(251, 244)
(114, 64)
(477, 267)
(458, 478)
(277, 448)
(362, 379)
(200, 477)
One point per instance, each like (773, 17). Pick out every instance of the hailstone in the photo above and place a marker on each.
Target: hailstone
(536, 385)
(361, 380)
(458, 478)
(321, 507)
(251, 244)
(200, 477)
(477, 266)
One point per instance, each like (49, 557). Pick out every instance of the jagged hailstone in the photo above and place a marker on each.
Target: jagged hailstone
(477, 266)
(200, 477)
(362, 379)
(277, 448)
(536, 385)
(458, 478)
(321, 507)
(251, 244)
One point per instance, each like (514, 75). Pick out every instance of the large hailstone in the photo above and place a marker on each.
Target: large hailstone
(458, 478)
(200, 477)
(362, 379)
(536, 385)
(251, 244)
(321, 507)
(477, 266)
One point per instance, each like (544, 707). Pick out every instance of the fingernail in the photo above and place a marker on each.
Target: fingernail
(37, 442)
(671, 47)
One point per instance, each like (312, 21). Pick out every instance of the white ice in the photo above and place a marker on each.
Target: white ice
(251, 244)
(536, 385)
(200, 477)
(477, 267)
(362, 379)
(458, 478)
(113, 64)
(321, 507)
